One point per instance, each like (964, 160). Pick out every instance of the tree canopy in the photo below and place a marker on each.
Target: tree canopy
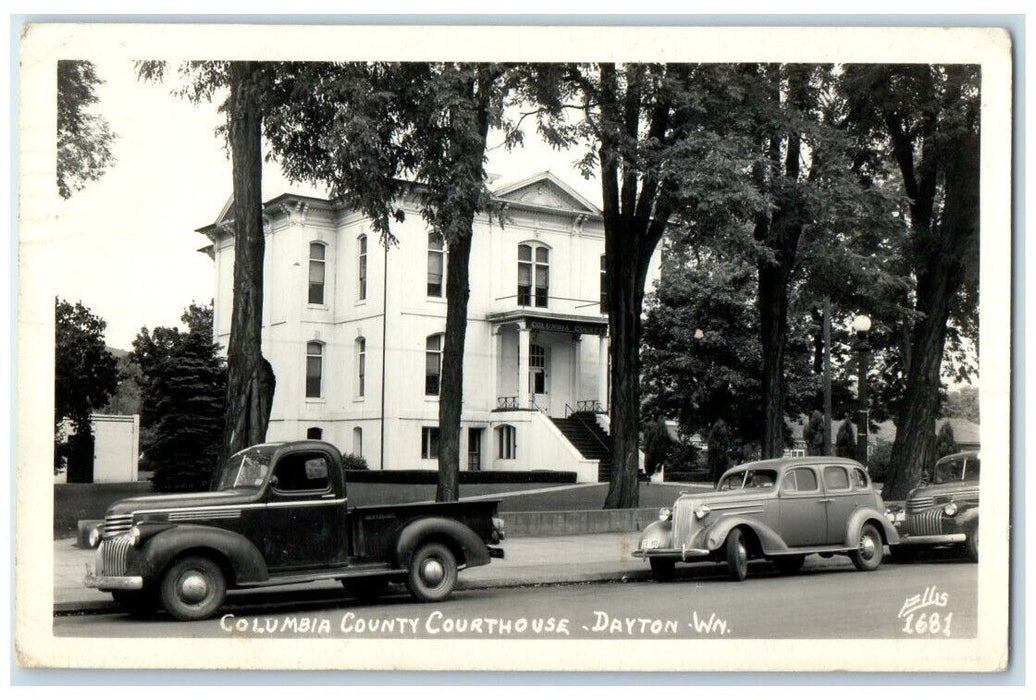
(85, 373)
(84, 138)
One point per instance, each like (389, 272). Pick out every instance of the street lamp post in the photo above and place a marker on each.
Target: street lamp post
(862, 325)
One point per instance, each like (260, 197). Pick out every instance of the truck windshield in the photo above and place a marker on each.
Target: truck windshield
(246, 470)
(957, 470)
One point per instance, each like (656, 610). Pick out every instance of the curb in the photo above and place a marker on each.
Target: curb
(328, 594)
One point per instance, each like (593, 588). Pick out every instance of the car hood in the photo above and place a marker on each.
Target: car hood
(953, 488)
(722, 497)
(181, 500)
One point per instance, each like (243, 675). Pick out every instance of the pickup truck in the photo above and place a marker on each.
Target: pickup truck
(279, 515)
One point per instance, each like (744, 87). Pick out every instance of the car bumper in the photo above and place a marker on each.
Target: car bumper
(683, 554)
(954, 538)
(114, 583)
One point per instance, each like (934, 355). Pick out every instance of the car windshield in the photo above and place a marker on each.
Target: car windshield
(247, 469)
(956, 470)
(749, 479)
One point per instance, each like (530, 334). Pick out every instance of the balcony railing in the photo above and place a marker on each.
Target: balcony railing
(504, 403)
(593, 406)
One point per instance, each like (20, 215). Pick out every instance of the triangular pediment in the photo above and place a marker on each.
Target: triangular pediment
(545, 190)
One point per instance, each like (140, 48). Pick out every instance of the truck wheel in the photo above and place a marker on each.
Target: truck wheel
(789, 564)
(365, 590)
(433, 573)
(193, 588)
(737, 555)
(135, 603)
(971, 544)
(867, 555)
(662, 569)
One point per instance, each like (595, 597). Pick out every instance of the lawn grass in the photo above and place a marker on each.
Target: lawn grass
(74, 502)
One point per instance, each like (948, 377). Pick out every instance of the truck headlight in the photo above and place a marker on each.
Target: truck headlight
(95, 537)
(134, 536)
(665, 514)
(702, 511)
(950, 509)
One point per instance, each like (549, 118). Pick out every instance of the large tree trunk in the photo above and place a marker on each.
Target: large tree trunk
(250, 379)
(937, 288)
(451, 392)
(773, 317)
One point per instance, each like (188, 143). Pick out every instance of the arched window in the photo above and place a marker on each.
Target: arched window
(314, 369)
(436, 265)
(317, 258)
(358, 442)
(506, 443)
(314, 433)
(361, 367)
(361, 274)
(533, 275)
(432, 364)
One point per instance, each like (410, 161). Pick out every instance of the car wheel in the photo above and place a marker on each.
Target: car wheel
(971, 543)
(135, 603)
(193, 589)
(662, 569)
(868, 553)
(366, 590)
(901, 554)
(433, 573)
(737, 555)
(789, 564)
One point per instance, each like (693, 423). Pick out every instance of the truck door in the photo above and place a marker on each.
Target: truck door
(303, 515)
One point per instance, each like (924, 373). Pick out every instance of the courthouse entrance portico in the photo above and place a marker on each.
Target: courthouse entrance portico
(552, 363)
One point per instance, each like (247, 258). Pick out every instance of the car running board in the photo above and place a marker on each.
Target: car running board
(362, 571)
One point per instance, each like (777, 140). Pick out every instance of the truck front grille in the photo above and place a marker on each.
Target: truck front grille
(916, 505)
(928, 522)
(116, 524)
(113, 553)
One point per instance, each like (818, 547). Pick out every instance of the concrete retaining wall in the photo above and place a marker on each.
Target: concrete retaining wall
(576, 522)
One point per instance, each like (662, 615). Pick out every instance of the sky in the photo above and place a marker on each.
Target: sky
(126, 247)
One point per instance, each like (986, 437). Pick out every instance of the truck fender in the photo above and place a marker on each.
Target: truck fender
(862, 515)
(468, 546)
(968, 518)
(246, 563)
(657, 530)
(713, 537)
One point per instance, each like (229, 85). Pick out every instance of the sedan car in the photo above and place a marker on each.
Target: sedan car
(778, 509)
(942, 511)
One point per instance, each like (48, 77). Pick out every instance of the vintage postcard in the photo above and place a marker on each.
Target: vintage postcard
(580, 348)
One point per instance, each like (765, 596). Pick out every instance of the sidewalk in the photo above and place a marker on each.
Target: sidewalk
(528, 561)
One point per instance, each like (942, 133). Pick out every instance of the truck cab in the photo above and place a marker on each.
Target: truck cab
(279, 514)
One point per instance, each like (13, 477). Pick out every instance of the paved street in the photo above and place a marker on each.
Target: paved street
(829, 599)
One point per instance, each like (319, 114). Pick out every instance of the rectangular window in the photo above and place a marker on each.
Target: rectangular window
(314, 369)
(362, 274)
(432, 364)
(436, 264)
(361, 370)
(506, 444)
(316, 273)
(429, 443)
(604, 285)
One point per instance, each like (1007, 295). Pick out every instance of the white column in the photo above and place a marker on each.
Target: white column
(494, 359)
(577, 369)
(524, 339)
(602, 371)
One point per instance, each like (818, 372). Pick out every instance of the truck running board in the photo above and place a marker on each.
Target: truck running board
(325, 575)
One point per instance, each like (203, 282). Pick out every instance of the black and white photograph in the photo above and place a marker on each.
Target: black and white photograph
(497, 348)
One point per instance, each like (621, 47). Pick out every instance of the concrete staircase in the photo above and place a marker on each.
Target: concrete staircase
(592, 441)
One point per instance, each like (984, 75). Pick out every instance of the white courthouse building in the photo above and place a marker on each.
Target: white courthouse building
(354, 331)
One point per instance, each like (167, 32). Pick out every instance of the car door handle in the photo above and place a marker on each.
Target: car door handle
(825, 500)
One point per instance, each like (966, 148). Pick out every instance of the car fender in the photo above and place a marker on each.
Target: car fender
(713, 536)
(473, 551)
(862, 515)
(150, 559)
(658, 530)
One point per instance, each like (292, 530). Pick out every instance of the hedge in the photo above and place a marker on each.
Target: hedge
(431, 476)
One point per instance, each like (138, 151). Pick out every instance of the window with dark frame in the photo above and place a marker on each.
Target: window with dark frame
(436, 265)
(361, 366)
(604, 285)
(314, 369)
(314, 433)
(429, 443)
(533, 275)
(317, 260)
(432, 364)
(506, 442)
(362, 273)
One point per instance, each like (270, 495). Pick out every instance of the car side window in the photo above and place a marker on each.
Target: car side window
(800, 480)
(302, 472)
(859, 479)
(836, 479)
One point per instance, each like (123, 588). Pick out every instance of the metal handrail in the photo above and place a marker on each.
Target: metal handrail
(569, 413)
